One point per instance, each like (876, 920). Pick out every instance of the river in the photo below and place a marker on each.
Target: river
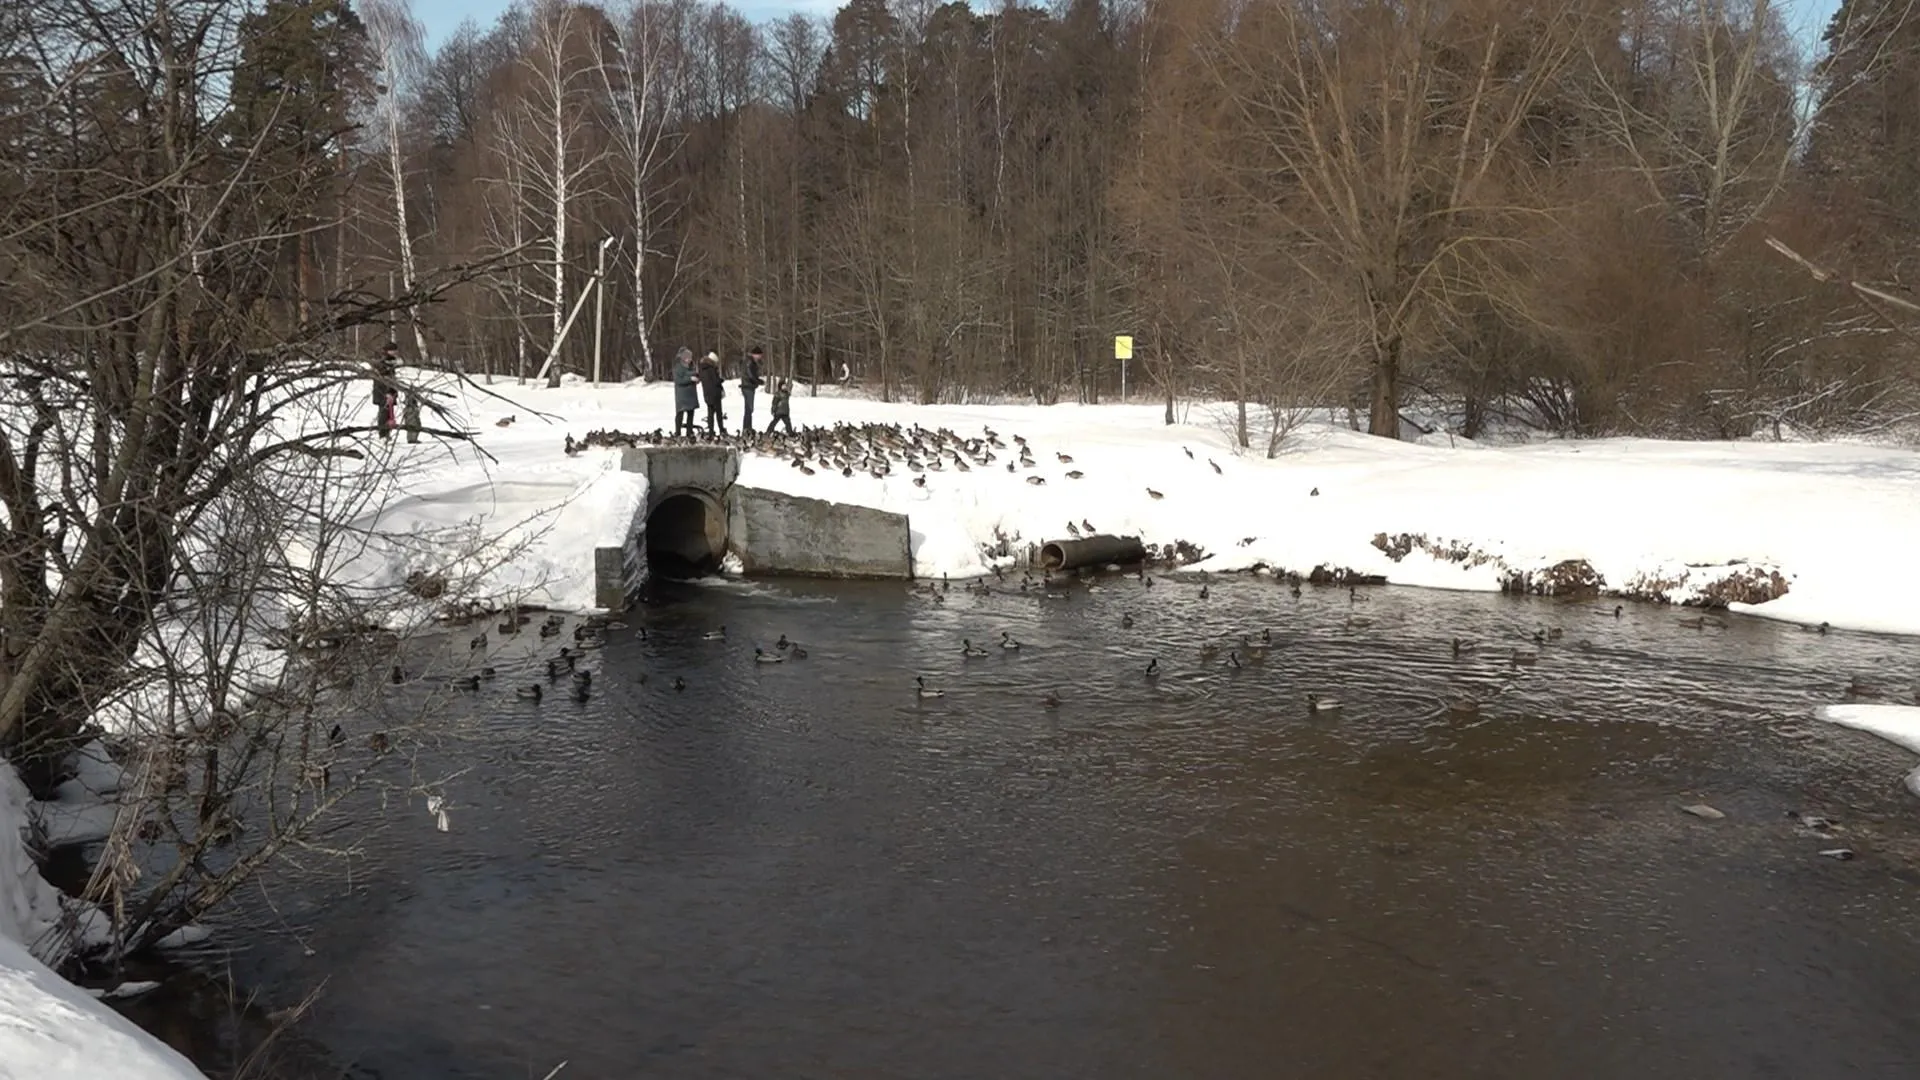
(803, 869)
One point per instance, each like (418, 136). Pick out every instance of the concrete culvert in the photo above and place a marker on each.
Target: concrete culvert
(1091, 551)
(686, 536)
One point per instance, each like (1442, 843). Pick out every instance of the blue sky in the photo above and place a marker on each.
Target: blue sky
(1807, 18)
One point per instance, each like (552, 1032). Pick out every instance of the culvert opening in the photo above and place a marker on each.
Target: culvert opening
(686, 537)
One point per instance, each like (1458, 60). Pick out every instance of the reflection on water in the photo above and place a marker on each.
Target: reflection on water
(804, 869)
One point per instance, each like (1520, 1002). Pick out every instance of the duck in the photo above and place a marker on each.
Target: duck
(1153, 668)
(1126, 622)
(1050, 699)
(557, 667)
(337, 736)
(1007, 642)
(1355, 622)
(761, 656)
(468, 682)
(1233, 659)
(968, 649)
(1205, 592)
(783, 644)
(396, 674)
(580, 692)
(1603, 613)
(1321, 706)
(478, 643)
(1523, 657)
(921, 690)
(679, 684)
(797, 653)
(530, 692)
(583, 678)
(715, 635)
(1463, 706)
(1464, 646)
(549, 629)
(1152, 494)
(487, 672)
(379, 743)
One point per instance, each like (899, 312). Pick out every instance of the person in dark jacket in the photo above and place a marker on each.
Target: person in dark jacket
(386, 388)
(750, 382)
(686, 393)
(782, 402)
(713, 390)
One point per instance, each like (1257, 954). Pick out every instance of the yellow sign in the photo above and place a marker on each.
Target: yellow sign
(1122, 347)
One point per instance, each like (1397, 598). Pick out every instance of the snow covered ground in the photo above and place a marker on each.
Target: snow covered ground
(1898, 724)
(1651, 517)
(51, 1029)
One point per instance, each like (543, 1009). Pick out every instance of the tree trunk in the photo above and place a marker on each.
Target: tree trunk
(1383, 419)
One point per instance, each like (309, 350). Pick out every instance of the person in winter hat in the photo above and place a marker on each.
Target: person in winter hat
(686, 393)
(713, 390)
(782, 402)
(750, 382)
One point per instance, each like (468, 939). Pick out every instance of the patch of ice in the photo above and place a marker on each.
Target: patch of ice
(185, 937)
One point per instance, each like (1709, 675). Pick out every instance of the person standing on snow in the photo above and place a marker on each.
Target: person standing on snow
(749, 382)
(686, 396)
(386, 387)
(782, 402)
(713, 390)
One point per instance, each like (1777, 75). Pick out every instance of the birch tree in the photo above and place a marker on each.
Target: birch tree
(643, 72)
(399, 57)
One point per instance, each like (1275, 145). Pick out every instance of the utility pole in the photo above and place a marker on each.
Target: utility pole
(599, 305)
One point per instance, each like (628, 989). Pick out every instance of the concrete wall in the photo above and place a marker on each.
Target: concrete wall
(776, 533)
(712, 469)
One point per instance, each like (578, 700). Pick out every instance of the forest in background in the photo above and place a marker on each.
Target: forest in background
(1554, 209)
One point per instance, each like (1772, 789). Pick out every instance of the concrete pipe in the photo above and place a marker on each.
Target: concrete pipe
(1091, 551)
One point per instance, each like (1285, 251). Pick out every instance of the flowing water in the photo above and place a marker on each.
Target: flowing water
(805, 870)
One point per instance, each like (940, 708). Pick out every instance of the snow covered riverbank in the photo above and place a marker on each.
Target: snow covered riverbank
(51, 1029)
(1651, 518)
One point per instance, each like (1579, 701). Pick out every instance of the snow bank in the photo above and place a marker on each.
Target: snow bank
(51, 1029)
(1898, 724)
(1662, 518)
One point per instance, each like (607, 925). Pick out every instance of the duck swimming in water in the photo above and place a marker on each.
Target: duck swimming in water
(921, 690)
(1007, 642)
(968, 649)
(530, 692)
(761, 656)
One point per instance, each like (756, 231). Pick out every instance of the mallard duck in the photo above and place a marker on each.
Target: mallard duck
(1463, 646)
(479, 642)
(1464, 706)
(1153, 668)
(1205, 592)
(1007, 642)
(679, 684)
(468, 682)
(580, 692)
(1233, 659)
(337, 736)
(530, 692)
(1126, 622)
(797, 653)
(968, 649)
(378, 742)
(487, 673)
(783, 644)
(921, 690)
(1603, 613)
(715, 635)
(1152, 494)
(1294, 590)
(583, 677)
(1321, 706)
(1050, 699)
(549, 630)
(396, 674)
(1523, 657)
(761, 656)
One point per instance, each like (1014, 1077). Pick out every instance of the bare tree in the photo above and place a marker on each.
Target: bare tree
(400, 59)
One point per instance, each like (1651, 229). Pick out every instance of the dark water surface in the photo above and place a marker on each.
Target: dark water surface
(802, 870)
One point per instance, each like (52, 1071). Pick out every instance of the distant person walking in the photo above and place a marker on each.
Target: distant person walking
(749, 382)
(782, 405)
(386, 388)
(686, 393)
(410, 414)
(714, 391)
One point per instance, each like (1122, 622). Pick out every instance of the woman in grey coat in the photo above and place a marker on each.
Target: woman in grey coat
(686, 392)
